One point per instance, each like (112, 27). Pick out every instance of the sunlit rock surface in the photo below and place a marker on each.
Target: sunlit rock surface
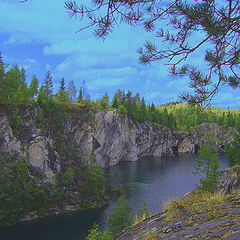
(114, 137)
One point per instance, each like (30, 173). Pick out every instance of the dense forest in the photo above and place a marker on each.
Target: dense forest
(178, 116)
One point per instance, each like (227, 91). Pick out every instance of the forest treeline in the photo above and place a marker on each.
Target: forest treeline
(178, 116)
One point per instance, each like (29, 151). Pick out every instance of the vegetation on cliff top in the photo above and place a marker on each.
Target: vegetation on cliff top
(178, 116)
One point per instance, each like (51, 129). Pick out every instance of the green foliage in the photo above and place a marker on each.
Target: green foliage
(41, 95)
(117, 221)
(96, 234)
(115, 103)
(67, 178)
(61, 146)
(62, 94)
(104, 101)
(19, 194)
(54, 112)
(64, 180)
(72, 91)
(47, 86)
(92, 157)
(208, 166)
(95, 180)
(13, 88)
(15, 121)
(142, 214)
(121, 217)
(233, 152)
(176, 115)
(33, 88)
(80, 95)
(122, 109)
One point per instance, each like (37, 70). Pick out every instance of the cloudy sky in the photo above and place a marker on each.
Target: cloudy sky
(39, 36)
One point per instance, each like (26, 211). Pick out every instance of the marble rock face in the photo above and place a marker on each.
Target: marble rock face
(113, 136)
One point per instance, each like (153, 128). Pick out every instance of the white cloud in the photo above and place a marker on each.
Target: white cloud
(30, 64)
(109, 82)
(48, 67)
(42, 20)
(86, 46)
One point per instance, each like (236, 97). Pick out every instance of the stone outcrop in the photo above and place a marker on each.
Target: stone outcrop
(232, 179)
(119, 138)
(190, 225)
(114, 137)
(215, 218)
(191, 141)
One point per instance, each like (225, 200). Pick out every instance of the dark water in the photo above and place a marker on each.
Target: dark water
(151, 180)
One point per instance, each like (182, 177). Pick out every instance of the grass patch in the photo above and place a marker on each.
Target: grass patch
(197, 203)
(173, 214)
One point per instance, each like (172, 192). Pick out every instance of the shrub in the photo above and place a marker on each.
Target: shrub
(121, 217)
(19, 194)
(95, 180)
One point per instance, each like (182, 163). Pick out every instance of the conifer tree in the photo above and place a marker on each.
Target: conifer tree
(33, 88)
(80, 95)
(233, 153)
(41, 95)
(72, 91)
(62, 93)
(142, 111)
(121, 217)
(2, 67)
(48, 85)
(2, 79)
(12, 83)
(115, 103)
(23, 76)
(208, 165)
(104, 101)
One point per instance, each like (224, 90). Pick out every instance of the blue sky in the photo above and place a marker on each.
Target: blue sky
(39, 36)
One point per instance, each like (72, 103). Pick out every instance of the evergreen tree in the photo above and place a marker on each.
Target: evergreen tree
(80, 95)
(33, 88)
(165, 117)
(62, 93)
(122, 98)
(2, 68)
(120, 218)
(137, 98)
(208, 165)
(21, 94)
(115, 103)
(23, 77)
(13, 85)
(142, 111)
(72, 91)
(104, 101)
(233, 153)
(48, 85)
(41, 95)
(2, 80)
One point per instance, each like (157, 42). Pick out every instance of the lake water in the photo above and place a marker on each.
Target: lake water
(151, 180)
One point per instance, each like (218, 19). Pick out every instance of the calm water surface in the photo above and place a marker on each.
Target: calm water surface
(151, 180)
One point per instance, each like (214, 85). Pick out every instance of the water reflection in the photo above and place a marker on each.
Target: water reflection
(151, 180)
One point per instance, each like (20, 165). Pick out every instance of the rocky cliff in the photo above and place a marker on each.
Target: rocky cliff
(112, 137)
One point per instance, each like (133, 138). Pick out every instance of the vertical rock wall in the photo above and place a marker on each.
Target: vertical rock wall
(113, 136)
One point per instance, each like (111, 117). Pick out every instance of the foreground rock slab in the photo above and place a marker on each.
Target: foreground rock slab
(222, 223)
